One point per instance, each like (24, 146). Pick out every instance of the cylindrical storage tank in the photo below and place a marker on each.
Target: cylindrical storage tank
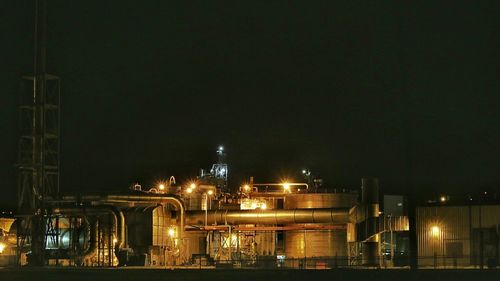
(328, 244)
(316, 244)
(320, 200)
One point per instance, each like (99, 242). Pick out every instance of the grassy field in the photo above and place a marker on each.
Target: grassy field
(124, 274)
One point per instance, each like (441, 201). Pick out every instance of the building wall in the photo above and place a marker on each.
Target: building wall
(448, 235)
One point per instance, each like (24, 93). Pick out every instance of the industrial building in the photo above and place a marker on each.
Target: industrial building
(199, 224)
(205, 223)
(458, 236)
(272, 225)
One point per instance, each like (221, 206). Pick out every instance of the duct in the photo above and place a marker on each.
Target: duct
(268, 217)
(126, 199)
(93, 240)
(118, 217)
(370, 203)
(151, 200)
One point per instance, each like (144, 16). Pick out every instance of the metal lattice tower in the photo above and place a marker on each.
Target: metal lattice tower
(220, 170)
(39, 143)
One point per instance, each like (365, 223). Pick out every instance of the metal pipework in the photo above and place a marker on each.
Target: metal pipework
(268, 217)
(118, 217)
(140, 199)
(151, 200)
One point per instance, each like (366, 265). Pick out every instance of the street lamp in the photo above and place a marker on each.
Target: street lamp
(286, 187)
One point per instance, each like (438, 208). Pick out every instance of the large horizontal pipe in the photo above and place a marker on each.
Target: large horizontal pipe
(270, 228)
(268, 217)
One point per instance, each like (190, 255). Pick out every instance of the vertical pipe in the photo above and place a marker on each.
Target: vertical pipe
(305, 248)
(110, 226)
(99, 244)
(470, 235)
(70, 221)
(481, 258)
(370, 203)
(230, 246)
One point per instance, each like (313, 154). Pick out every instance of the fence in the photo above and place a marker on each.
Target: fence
(426, 262)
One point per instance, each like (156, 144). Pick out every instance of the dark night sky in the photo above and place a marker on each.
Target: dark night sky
(405, 92)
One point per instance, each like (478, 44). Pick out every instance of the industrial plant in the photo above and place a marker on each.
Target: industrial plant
(201, 223)
(204, 222)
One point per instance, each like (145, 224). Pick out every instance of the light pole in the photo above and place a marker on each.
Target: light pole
(206, 195)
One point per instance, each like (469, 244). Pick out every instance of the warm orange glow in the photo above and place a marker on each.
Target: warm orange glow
(210, 192)
(189, 190)
(435, 231)
(2, 247)
(192, 185)
(286, 187)
(161, 186)
(171, 232)
(246, 187)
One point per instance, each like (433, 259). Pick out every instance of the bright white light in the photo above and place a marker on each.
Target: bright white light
(189, 190)
(115, 240)
(263, 206)
(2, 247)
(435, 231)
(246, 187)
(210, 192)
(161, 186)
(171, 232)
(286, 187)
(221, 148)
(443, 198)
(304, 172)
(192, 185)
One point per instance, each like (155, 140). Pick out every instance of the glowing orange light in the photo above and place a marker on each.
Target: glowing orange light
(435, 231)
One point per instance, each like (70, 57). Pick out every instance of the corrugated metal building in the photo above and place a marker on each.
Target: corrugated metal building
(451, 236)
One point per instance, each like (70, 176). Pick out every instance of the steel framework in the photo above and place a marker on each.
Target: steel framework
(39, 145)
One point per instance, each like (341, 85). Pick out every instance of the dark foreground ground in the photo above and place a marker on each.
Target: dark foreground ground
(123, 274)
